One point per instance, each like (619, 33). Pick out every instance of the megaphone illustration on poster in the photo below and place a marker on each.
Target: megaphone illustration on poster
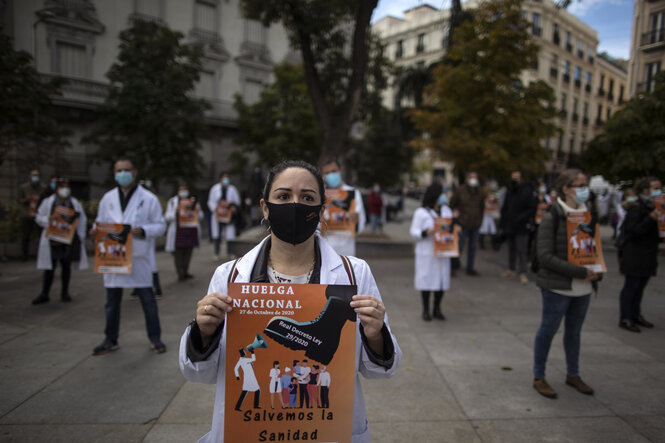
(259, 342)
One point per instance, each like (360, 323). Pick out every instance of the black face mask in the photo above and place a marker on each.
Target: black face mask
(293, 222)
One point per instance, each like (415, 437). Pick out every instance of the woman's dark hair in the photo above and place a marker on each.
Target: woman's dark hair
(432, 195)
(643, 184)
(566, 178)
(281, 167)
(275, 363)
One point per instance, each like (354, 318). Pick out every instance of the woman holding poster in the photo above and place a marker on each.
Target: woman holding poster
(62, 239)
(565, 287)
(432, 273)
(639, 258)
(292, 254)
(183, 214)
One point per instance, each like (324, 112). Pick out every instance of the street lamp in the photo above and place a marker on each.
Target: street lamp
(41, 16)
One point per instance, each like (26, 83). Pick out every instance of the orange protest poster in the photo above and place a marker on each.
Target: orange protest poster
(33, 204)
(340, 204)
(62, 225)
(491, 205)
(446, 237)
(224, 211)
(584, 245)
(188, 216)
(541, 210)
(291, 347)
(659, 201)
(113, 249)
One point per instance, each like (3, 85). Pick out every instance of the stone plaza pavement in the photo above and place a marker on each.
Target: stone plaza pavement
(465, 379)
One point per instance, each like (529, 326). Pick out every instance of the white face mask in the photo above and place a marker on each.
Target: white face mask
(183, 194)
(64, 193)
(473, 182)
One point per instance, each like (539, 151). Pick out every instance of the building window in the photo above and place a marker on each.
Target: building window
(610, 90)
(585, 113)
(609, 113)
(556, 38)
(399, 49)
(255, 32)
(656, 28)
(206, 85)
(650, 71)
(575, 103)
(580, 48)
(252, 91)
(71, 60)
(621, 91)
(205, 15)
(564, 105)
(535, 28)
(569, 44)
(554, 66)
(590, 52)
(150, 8)
(578, 76)
(420, 47)
(566, 71)
(601, 85)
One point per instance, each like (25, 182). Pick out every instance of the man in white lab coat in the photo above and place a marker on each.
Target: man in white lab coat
(341, 241)
(225, 229)
(135, 206)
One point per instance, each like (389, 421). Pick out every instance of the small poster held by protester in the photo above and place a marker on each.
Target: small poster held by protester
(584, 244)
(491, 206)
(113, 249)
(307, 331)
(33, 204)
(188, 216)
(340, 205)
(446, 236)
(224, 211)
(62, 225)
(659, 201)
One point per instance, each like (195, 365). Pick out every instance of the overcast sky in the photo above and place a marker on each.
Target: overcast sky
(611, 18)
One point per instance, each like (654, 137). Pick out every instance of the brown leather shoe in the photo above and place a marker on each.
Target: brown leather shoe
(544, 389)
(577, 383)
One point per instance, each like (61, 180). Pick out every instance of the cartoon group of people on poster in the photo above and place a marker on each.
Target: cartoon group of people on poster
(113, 251)
(584, 244)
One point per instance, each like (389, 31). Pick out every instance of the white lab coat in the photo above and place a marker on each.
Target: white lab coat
(344, 245)
(431, 273)
(44, 251)
(213, 370)
(170, 218)
(249, 381)
(143, 211)
(215, 194)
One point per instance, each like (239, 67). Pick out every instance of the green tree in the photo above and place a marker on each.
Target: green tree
(282, 124)
(148, 114)
(477, 112)
(333, 38)
(632, 143)
(28, 134)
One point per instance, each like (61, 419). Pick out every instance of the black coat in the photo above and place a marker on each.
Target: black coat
(640, 252)
(518, 210)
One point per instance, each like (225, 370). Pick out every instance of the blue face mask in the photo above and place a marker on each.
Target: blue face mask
(631, 199)
(226, 181)
(443, 200)
(656, 192)
(35, 179)
(333, 179)
(124, 178)
(52, 185)
(148, 184)
(582, 195)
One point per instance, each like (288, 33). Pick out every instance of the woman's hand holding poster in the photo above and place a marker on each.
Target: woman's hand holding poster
(310, 329)
(585, 247)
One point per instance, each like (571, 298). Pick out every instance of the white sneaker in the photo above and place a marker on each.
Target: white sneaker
(523, 279)
(216, 257)
(508, 273)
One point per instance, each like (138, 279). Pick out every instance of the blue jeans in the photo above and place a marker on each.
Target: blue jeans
(555, 307)
(147, 297)
(375, 221)
(472, 235)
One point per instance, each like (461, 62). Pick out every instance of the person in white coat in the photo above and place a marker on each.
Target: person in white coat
(51, 252)
(132, 205)
(292, 203)
(340, 240)
(432, 274)
(181, 240)
(223, 191)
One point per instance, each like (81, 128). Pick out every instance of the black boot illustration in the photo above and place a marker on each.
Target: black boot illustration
(588, 228)
(327, 327)
(344, 204)
(120, 237)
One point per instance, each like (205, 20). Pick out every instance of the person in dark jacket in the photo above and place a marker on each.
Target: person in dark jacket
(468, 205)
(565, 287)
(639, 259)
(517, 218)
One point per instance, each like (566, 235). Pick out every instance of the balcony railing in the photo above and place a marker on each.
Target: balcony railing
(587, 87)
(537, 31)
(601, 92)
(79, 92)
(585, 120)
(569, 47)
(655, 37)
(578, 83)
(566, 78)
(575, 116)
(554, 72)
(399, 53)
(580, 53)
(610, 96)
(420, 48)
(556, 38)
(591, 59)
(563, 113)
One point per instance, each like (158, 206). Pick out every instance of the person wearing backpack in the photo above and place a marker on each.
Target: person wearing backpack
(639, 253)
(293, 253)
(565, 287)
